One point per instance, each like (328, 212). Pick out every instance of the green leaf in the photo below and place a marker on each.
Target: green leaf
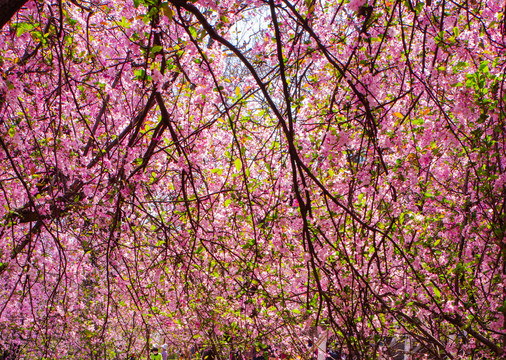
(483, 65)
(124, 22)
(152, 12)
(22, 28)
(140, 74)
(167, 10)
(227, 202)
(193, 31)
(238, 164)
(419, 7)
(156, 49)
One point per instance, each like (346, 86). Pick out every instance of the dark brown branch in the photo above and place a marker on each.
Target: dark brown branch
(9, 8)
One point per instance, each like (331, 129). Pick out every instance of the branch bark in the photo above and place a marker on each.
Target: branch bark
(8, 8)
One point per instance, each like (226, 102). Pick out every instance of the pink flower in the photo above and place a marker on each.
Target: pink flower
(354, 5)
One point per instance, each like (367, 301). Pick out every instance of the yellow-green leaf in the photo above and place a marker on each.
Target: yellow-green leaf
(238, 164)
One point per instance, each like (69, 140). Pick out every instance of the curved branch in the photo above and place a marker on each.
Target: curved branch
(9, 8)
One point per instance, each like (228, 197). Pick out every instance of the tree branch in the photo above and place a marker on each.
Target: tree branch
(9, 8)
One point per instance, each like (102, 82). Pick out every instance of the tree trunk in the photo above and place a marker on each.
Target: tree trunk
(8, 8)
